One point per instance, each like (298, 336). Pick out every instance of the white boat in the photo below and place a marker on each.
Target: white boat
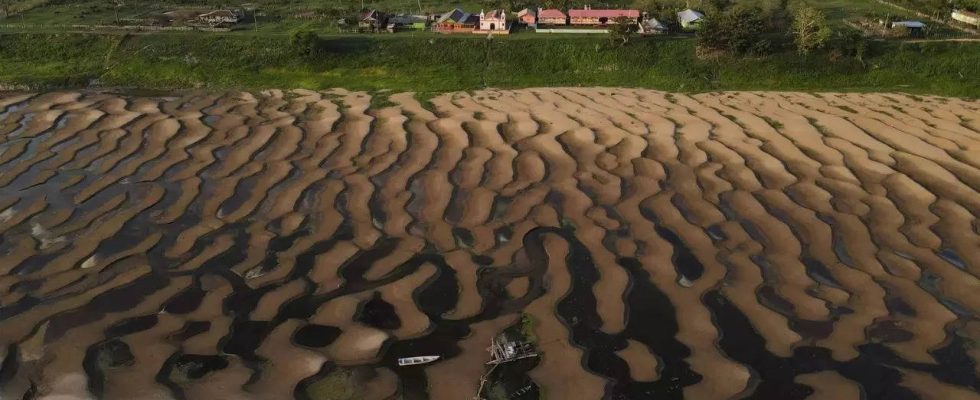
(407, 361)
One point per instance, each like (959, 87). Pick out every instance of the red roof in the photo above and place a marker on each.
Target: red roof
(551, 13)
(603, 13)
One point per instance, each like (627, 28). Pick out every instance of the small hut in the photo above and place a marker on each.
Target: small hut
(651, 26)
(527, 17)
(913, 28)
(690, 19)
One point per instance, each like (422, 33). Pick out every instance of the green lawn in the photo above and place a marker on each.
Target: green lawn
(47, 55)
(431, 63)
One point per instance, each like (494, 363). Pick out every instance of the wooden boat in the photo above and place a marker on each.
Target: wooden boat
(408, 361)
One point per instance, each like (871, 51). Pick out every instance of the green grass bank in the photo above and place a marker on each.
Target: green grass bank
(445, 63)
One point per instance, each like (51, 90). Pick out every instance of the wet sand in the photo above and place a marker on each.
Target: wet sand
(296, 244)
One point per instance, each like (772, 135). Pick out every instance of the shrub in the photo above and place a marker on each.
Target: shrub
(623, 29)
(305, 42)
(737, 32)
(848, 43)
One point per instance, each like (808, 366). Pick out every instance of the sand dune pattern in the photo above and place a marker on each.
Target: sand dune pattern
(296, 244)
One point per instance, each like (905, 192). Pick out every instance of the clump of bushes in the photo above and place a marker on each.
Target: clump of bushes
(623, 29)
(848, 43)
(741, 31)
(305, 42)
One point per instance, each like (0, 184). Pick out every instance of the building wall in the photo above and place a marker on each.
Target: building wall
(571, 30)
(454, 28)
(498, 24)
(551, 21)
(591, 21)
(585, 21)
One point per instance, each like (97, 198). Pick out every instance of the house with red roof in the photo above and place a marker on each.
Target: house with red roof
(588, 16)
(552, 16)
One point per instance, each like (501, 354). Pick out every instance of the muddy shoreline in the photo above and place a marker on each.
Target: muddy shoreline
(296, 244)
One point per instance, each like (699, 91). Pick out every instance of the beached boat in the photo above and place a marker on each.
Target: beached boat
(407, 361)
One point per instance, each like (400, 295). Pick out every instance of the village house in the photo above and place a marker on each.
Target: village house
(220, 17)
(527, 17)
(493, 21)
(457, 21)
(370, 19)
(651, 26)
(552, 16)
(690, 19)
(588, 16)
(407, 22)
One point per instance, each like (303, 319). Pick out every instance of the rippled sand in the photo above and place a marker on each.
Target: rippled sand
(281, 245)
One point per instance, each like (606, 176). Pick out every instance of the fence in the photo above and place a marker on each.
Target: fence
(539, 30)
(931, 18)
(115, 27)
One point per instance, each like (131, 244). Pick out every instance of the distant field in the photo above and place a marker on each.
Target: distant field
(282, 16)
(432, 63)
(44, 55)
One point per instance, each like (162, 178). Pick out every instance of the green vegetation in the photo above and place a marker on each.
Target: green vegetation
(335, 386)
(439, 64)
(810, 30)
(741, 31)
(623, 29)
(745, 46)
(283, 16)
(773, 123)
(380, 99)
(528, 325)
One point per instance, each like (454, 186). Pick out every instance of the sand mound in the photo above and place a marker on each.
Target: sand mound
(709, 246)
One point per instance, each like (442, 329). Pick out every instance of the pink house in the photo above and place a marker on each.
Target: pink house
(493, 21)
(527, 17)
(588, 16)
(551, 16)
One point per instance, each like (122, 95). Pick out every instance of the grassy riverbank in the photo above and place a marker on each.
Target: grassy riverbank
(431, 63)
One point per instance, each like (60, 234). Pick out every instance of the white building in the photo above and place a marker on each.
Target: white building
(690, 19)
(493, 21)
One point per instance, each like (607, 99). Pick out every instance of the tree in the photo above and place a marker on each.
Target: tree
(664, 11)
(516, 5)
(810, 29)
(849, 43)
(623, 28)
(718, 6)
(739, 32)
